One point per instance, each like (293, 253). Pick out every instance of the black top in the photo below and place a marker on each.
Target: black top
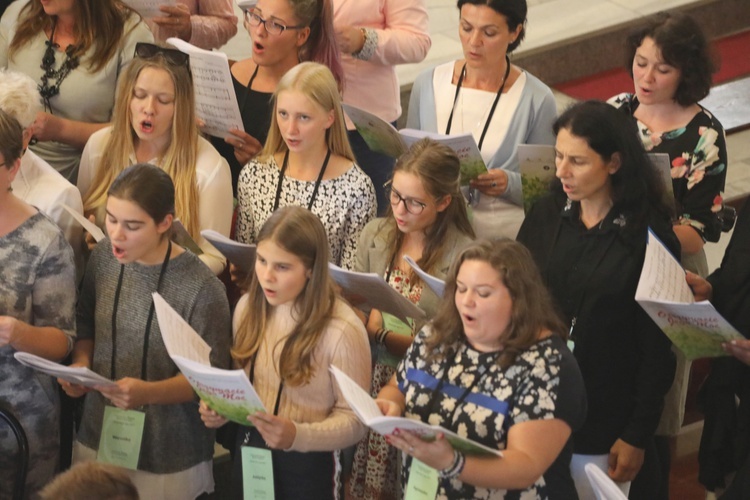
(255, 108)
(625, 359)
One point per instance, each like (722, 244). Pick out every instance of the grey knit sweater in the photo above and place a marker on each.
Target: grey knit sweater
(174, 438)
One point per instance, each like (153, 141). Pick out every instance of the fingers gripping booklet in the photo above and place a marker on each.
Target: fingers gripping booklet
(368, 412)
(696, 328)
(228, 392)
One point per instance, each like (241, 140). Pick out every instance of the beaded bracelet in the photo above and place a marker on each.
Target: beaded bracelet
(459, 460)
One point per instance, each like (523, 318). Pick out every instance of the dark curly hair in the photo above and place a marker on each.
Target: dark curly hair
(514, 12)
(684, 46)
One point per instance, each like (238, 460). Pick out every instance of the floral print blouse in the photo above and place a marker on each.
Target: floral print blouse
(698, 156)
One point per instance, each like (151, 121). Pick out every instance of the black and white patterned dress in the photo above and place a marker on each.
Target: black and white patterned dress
(543, 383)
(37, 287)
(344, 205)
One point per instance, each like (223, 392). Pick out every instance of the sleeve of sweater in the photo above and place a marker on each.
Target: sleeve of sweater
(214, 24)
(211, 318)
(342, 428)
(405, 37)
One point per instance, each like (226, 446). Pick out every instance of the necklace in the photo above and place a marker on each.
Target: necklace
(494, 103)
(71, 62)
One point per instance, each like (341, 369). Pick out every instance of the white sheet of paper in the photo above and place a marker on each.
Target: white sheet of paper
(89, 226)
(436, 284)
(239, 254)
(662, 277)
(179, 337)
(149, 8)
(372, 290)
(215, 100)
(76, 375)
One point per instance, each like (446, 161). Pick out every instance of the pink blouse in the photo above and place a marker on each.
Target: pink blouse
(213, 23)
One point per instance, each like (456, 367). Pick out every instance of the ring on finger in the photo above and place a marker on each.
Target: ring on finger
(494, 184)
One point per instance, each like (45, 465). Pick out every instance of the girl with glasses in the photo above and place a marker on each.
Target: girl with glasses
(119, 338)
(154, 121)
(427, 221)
(75, 50)
(284, 33)
(289, 329)
(307, 162)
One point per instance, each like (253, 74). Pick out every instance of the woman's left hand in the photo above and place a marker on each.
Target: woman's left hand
(740, 349)
(438, 453)
(277, 432)
(129, 393)
(349, 39)
(493, 183)
(176, 22)
(44, 127)
(374, 323)
(625, 460)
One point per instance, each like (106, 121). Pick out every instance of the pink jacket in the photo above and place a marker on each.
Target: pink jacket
(403, 37)
(213, 23)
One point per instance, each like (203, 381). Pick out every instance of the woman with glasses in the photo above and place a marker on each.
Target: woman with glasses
(119, 337)
(498, 103)
(427, 221)
(284, 33)
(75, 50)
(307, 162)
(154, 122)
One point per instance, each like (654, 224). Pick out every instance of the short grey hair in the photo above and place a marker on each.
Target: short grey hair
(19, 97)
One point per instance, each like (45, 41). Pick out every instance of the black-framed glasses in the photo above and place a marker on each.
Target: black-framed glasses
(175, 57)
(271, 26)
(414, 207)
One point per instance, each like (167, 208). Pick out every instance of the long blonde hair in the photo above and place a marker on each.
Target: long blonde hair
(315, 82)
(100, 25)
(179, 159)
(301, 233)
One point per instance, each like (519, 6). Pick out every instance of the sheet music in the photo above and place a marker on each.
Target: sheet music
(73, 374)
(436, 284)
(662, 277)
(215, 100)
(239, 254)
(89, 226)
(179, 337)
(149, 8)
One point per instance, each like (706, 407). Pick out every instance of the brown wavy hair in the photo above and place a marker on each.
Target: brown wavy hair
(100, 25)
(532, 313)
(299, 232)
(439, 170)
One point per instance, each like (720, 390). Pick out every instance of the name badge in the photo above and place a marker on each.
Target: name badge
(423, 482)
(122, 433)
(257, 473)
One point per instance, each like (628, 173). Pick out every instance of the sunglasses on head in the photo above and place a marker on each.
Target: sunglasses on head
(172, 56)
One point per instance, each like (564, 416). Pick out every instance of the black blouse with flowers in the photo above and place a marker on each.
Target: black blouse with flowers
(543, 383)
(626, 360)
(698, 155)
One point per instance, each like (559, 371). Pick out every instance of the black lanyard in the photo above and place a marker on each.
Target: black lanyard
(317, 182)
(146, 336)
(492, 109)
(432, 409)
(281, 384)
(247, 89)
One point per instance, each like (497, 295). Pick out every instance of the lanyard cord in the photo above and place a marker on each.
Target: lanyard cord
(492, 109)
(317, 182)
(147, 334)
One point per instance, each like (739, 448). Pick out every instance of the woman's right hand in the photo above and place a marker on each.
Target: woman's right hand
(210, 418)
(73, 390)
(245, 145)
(90, 241)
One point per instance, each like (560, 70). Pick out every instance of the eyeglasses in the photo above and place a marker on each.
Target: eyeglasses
(271, 26)
(412, 206)
(172, 56)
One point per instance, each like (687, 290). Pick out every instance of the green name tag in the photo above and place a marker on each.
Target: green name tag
(257, 473)
(423, 482)
(122, 433)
